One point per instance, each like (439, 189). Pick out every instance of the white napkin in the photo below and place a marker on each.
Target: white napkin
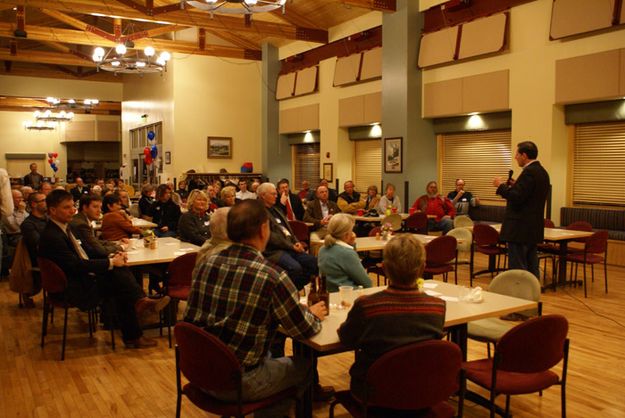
(475, 295)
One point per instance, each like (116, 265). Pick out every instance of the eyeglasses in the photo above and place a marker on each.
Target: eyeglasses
(41, 200)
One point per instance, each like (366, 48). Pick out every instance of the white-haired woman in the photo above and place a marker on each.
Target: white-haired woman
(338, 260)
(193, 226)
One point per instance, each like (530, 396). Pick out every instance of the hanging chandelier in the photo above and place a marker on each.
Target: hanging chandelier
(49, 116)
(117, 61)
(246, 7)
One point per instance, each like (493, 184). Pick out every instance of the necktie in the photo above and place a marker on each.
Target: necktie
(289, 211)
(81, 253)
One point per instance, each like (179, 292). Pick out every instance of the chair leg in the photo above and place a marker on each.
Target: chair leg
(488, 349)
(64, 335)
(507, 405)
(492, 404)
(563, 399)
(592, 273)
(44, 322)
(605, 272)
(331, 411)
(585, 293)
(90, 319)
(169, 321)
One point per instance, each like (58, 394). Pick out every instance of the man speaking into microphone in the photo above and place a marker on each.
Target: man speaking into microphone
(523, 225)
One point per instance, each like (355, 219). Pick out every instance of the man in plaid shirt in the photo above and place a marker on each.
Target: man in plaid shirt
(241, 298)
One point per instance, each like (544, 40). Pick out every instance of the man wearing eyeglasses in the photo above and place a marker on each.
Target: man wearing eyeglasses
(31, 229)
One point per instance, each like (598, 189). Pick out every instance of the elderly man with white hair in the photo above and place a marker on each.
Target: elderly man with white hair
(283, 247)
(11, 224)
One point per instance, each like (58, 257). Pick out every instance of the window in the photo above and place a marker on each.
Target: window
(598, 168)
(367, 164)
(306, 167)
(476, 157)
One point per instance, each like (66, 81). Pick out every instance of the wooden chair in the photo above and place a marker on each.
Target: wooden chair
(178, 285)
(210, 365)
(54, 283)
(419, 376)
(595, 252)
(440, 257)
(523, 359)
(516, 283)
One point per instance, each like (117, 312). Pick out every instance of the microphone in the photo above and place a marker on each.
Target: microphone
(510, 173)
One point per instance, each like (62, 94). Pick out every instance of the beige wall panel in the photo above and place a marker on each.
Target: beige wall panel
(622, 19)
(587, 78)
(442, 98)
(371, 64)
(483, 36)
(308, 118)
(289, 120)
(570, 17)
(438, 47)
(486, 92)
(346, 69)
(108, 131)
(621, 91)
(306, 81)
(351, 111)
(80, 131)
(285, 86)
(373, 108)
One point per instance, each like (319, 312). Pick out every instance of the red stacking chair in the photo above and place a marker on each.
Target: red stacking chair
(178, 285)
(523, 359)
(210, 365)
(439, 255)
(419, 376)
(595, 252)
(54, 283)
(549, 251)
(486, 240)
(578, 226)
(417, 223)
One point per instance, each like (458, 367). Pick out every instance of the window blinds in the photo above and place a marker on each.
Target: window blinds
(306, 165)
(367, 164)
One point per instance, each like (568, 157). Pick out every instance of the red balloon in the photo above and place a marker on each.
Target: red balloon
(147, 156)
(55, 154)
(50, 161)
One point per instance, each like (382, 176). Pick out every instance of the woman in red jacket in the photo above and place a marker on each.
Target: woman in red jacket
(116, 224)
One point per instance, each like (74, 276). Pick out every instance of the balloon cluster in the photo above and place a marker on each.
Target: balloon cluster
(150, 152)
(54, 164)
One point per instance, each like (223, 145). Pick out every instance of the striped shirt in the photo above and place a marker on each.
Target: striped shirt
(242, 299)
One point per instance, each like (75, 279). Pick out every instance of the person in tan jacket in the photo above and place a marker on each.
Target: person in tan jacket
(349, 201)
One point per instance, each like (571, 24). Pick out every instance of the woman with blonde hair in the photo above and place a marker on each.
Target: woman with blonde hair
(228, 195)
(338, 260)
(193, 225)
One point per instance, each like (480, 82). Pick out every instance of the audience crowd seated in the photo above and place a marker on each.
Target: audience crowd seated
(349, 201)
(90, 209)
(228, 196)
(146, 201)
(461, 199)
(218, 236)
(338, 260)
(245, 313)
(373, 199)
(437, 206)
(80, 189)
(116, 224)
(395, 316)
(193, 225)
(243, 193)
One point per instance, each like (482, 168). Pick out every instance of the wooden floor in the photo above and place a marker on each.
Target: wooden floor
(95, 381)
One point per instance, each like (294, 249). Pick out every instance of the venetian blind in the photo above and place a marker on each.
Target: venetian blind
(306, 165)
(598, 168)
(476, 157)
(367, 164)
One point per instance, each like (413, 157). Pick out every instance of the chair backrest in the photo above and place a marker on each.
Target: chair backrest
(516, 283)
(548, 223)
(597, 243)
(134, 210)
(300, 229)
(375, 230)
(180, 271)
(414, 376)
(394, 219)
(440, 250)
(462, 221)
(53, 279)
(417, 222)
(580, 226)
(533, 346)
(206, 361)
(485, 235)
(462, 234)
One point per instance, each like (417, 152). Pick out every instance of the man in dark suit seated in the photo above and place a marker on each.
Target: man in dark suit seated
(80, 189)
(289, 203)
(91, 280)
(90, 210)
(318, 212)
(283, 248)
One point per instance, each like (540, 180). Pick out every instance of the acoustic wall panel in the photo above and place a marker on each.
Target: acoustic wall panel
(285, 86)
(483, 36)
(371, 64)
(347, 69)
(306, 81)
(443, 98)
(299, 119)
(572, 17)
(438, 47)
(486, 92)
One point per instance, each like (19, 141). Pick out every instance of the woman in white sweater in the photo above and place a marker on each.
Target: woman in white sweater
(389, 200)
(338, 260)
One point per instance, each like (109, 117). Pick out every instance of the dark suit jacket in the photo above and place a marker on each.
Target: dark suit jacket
(313, 212)
(56, 246)
(33, 180)
(95, 248)
(77, 193)
(278, 241)
(296, 205)
(525, 209)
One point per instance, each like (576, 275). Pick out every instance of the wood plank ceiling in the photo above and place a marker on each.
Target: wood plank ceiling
(56, 38)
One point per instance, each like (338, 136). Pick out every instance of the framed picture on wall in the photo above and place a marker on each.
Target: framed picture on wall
(327, 172)
(167, 157)
(393, 155)
(219, 147)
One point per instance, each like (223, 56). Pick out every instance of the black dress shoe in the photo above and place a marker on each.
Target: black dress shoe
(141, 342)
(322, 393)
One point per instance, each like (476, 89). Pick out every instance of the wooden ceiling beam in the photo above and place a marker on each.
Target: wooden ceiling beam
(78, 24)
(379, 5)
(44, 57)
(48, 34)
(186, 17)
(295, 19)
(150, 33)
(234, 39)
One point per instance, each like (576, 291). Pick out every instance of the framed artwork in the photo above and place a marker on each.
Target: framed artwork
(327, 172)
(167, 157)
(219, 147)
(393, 155)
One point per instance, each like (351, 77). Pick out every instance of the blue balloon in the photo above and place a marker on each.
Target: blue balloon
(154, 151)
(151, 135)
